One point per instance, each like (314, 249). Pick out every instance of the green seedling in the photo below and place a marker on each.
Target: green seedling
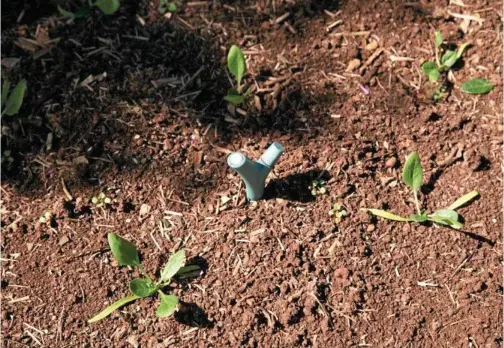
(412, 176)
(47, 218)
(318, 187)
(338, 212)
(7, 157)
(100, 200)
(127, 255)
(11, 102)
(442, 66)
(108, 7)
(165, 5)
(238, 67)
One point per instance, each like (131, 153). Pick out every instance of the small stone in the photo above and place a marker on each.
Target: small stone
(391, 162)
(373, 45)
(133, 340)
(63, 240)
(29, 246)
(144, 209)
(370, 228)
(167, 144)
(353, 64)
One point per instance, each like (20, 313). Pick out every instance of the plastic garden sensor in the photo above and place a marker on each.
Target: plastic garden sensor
(253, 173)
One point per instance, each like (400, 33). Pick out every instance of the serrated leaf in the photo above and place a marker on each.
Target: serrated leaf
(438, 38)
(65, 13)
(446, 217)
(477, 86)
(5, 92)
(142, 287)
(108, 6)
(174, 264)
(427, 67)
(168, 305)
(434, 75)
(236, 63)
(116, 305)
(124, 251)
(15, 99)
(386, 215)
(449, 58)
(412, 171)
(463, 200)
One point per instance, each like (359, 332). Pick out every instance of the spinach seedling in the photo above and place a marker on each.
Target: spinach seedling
(165, 5)
(11, 102)
(412, 176)
(238, 67)
(100, 200)
(338, 212)
(318, 187)
(442, 66)
(127, 255)
(106, 6)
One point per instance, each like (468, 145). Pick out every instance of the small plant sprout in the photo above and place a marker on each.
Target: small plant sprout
(100, 200)
(46, 219)
(445, 60)
(338, 213)
(412, 176)
(165, 5)
(108, 7)
(11, 102)
(238, 67)
(127, 255)
(318, 187)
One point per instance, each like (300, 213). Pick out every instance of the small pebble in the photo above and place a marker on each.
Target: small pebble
(391, 162)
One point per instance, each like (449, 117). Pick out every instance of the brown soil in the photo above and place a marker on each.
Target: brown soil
(279, 272)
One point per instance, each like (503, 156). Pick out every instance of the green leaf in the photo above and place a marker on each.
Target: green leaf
(15, 99)
(446, 217)
(108, 6)
(65, 13)
(386, 215)
(174, 264)
(107, 311)
(427, 67)
(412, 171)
(124, 251)
(5, 92)
(449, 58)
(172, 7)
(168, 305)
(142, 287)
(236, 63)
(477, 86)
(463, 200)
(189, 268)
(419, 218)
(82, 12)
(438, 38)
(461, 49)
(234, 97)
(434, 75)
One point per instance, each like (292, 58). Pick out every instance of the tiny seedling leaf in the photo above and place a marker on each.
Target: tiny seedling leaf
(427, 67)
(107, 311)
(107, 6)
(477, 86)
(446, 217)
(167, 306)
(124, 251)
(434, 75)
(438, 38)
(5, 92)
(142, 287)
(463, 200)
(234, 97)
(412, 171)
(461, 49)
(386, 215)
(172, 7)
(174, 264)
(419, 218)
(449, 58)
(236, 63)
(15, 99)
(65, 13)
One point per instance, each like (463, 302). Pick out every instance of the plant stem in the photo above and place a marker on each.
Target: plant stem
(144, 273)
(417, 204)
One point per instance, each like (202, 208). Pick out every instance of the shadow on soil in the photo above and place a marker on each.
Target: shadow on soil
(111, 78)
(295, 187)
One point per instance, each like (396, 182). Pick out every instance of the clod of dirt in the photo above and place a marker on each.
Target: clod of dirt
(353, 64)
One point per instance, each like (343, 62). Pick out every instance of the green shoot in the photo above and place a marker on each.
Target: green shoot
(338, 212)
(100, 200)
(164, 6)
(46, 219)
(238, 67)
(412, 176)
(442, 66)
(127, 255)
(11, 103)
(318, 187)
